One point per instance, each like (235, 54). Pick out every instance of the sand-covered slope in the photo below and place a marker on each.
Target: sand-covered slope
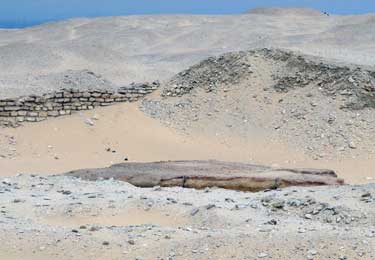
(146, 48)
(324, 109)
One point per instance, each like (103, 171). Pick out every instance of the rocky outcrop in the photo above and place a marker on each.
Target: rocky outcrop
(203, 174)
(64, 102)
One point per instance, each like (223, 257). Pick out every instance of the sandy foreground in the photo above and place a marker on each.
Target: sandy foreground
(122, 131)
(64, 218)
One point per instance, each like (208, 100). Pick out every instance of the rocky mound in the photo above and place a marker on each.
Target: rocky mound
(210, 74)
(301, 99)
(208, 174)
(356, 85)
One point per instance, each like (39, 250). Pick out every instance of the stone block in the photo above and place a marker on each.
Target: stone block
(30, 119)
(53, 113)
(11, 108)
(5, 114)
(32, 114)
(20, 118)
(43, 114)
(21, 113)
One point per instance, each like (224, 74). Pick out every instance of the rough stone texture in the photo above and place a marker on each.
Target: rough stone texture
(66, 101)
(210, 73)
(355, 84)
(203, 174)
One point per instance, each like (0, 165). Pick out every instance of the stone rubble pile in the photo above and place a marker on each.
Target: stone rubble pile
(308, 208)
(210, 74)
(354, 86)
(321, 106)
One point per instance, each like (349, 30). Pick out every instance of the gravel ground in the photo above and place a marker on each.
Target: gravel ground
(65, 218)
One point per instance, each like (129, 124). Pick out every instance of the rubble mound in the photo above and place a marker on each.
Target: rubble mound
(302, 100)
(210, 74)
(356, 85)
(287, 69)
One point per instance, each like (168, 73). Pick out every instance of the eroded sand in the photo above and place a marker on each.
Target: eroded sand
(68, 143)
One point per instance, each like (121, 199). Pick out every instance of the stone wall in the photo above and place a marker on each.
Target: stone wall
(33, 108)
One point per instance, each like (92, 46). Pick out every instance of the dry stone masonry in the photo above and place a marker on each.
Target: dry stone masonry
(64, 102)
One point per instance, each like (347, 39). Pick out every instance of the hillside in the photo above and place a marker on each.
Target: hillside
(146, 48)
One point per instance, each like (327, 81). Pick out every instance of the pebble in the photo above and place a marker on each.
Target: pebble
(352, 145)
(210, 206)
(89, 122)
(194, 211)
(262, 255)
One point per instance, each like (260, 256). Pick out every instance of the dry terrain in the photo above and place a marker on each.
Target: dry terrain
(146, 48)
(286, 88)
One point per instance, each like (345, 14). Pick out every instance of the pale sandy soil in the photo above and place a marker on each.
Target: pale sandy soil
(68, 143)
(62, 218)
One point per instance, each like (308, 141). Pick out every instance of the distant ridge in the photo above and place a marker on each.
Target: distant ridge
(285, 11)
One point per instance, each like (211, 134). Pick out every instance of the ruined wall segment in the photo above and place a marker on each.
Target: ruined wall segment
(33, 108)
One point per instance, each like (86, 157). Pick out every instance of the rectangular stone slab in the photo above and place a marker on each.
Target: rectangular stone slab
(202, 174)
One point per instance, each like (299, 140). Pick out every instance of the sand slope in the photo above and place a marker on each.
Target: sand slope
(68, 143)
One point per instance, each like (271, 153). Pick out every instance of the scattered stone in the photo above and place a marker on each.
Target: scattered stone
(89, 122)
(194, 211)
(262, 255)
(18, 201)
(210, 206)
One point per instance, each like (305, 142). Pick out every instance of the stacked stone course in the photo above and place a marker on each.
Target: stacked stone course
(64, 102)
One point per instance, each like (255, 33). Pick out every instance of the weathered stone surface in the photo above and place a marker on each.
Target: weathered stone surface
(202, 174)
